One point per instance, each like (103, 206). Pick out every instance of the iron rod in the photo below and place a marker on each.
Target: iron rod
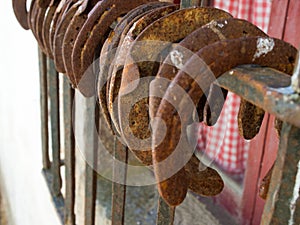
(44, 109)
(91, 176)
(119, 189)
(53, 91)
(283, 197)
(165, 214)
(69, 145)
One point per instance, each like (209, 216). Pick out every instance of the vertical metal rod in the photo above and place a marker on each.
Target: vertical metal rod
(119, 189)
(53, 90)
(165, 214)
(282, 204)
(189, 3)
(91, 178)
(44, 109)
(69, 144)
(206, 3)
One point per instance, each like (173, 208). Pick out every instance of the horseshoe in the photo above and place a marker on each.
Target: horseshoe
(206, 182)
(60, 11)
(249, 125)
(50, 23)
(217, 58)
(110, 48)
(265, 184)
(216, 30)
(92, 36)
(71, 34)
(60, 31)
(131, 31)
(44, 3)
(171, 28)
(19, 7)
(32, 16)
(39, 21)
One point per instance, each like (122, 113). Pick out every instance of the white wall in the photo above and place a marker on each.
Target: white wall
(20, 143)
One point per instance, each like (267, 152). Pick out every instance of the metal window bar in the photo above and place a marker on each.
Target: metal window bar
(286, 170)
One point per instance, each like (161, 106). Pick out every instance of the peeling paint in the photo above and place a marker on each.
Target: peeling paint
(263, 47)
(177, 58)
(213, 25)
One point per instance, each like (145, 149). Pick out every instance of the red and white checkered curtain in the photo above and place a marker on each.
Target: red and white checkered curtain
(222, 142)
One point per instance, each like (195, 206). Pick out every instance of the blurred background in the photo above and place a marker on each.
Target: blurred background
(21, 180)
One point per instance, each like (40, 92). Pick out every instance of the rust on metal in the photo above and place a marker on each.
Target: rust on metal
(19, 7)
(110, 48)
(59, 35)
(215, 60)
(282, 204)
(91, 175)
(53, 91)
(128, 35)
(265, 184)
(119, 189)
(61, 8)
(177, 24)
(165, 213)
(218, 29)
(71, 34)
(249, 126)
(69, 146)
(48, 25)
(270, 90)
(41, 13)
(92, 35)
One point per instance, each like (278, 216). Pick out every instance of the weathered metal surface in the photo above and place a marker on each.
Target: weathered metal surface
(71, 34)
(283, 196)
(57, 200)
(44, 109)
(145, 57)
(92, 36)
(41, 13)
(69, 145)
(206, 3)
(46, 28)
(151, 12)
(295, 80)
(19, 7)
(189, 3)
(269, 90)
(165, 214)
(214, 62)
(119, 189)
(53, 92)
(59, 35)
(90, 193)
(91, 175)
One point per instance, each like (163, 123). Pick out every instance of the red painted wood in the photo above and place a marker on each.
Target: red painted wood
(252, 174)
(278, 18)
(292, 27)
(229, 200)
(284, 23)
(270, 153)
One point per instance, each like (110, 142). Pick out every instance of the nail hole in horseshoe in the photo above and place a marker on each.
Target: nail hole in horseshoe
(291, 59)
